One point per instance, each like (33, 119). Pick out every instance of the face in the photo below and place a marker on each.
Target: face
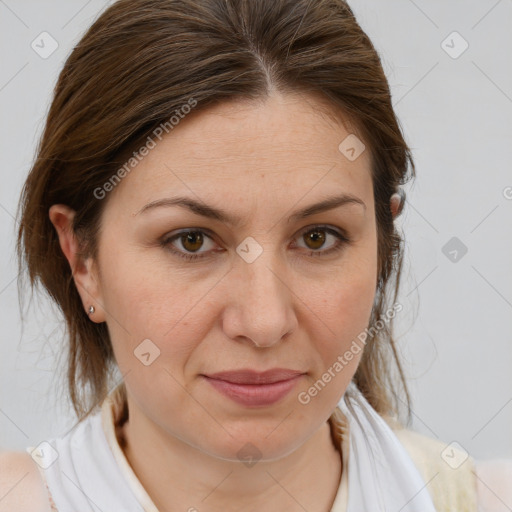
(258, 289)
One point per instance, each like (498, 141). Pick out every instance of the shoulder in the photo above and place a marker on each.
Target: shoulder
(21, 484)
(447, 469)
(494, 479)
(450, 473)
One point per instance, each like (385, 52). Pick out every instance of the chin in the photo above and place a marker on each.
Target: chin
(250, 445)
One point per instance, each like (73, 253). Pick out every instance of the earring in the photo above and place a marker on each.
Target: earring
(91, 310)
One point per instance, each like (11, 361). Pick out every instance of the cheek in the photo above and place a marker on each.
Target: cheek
(342, 314)
(347, 290)
(145, 304)
(342, 306)
(337, 322)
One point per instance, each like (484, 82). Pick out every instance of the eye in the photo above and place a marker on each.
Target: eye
(315, 237)
(192, 240)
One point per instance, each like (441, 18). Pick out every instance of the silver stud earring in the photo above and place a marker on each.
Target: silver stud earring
(91, 310)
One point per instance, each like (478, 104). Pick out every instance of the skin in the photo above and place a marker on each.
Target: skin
(260, 162)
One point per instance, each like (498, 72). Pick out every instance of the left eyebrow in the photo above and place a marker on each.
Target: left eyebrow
(327, 204)
(205, 210)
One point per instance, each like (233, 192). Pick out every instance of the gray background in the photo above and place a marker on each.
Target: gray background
(455, 333)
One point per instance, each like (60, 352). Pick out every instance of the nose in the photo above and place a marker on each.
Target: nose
(260, 310)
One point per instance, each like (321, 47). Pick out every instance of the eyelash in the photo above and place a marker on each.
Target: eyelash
(342, 240)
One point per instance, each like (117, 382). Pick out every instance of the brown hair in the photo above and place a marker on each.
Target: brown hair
(140, 62)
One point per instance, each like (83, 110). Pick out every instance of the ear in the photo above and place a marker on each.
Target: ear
(396, 205)
(83, 270)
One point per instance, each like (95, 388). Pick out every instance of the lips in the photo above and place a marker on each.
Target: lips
(251, 377)
(255, 389)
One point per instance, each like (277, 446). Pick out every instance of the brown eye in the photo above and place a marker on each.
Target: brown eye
(315, 239)
(192, 241)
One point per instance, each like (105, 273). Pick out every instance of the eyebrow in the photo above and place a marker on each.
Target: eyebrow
(218, 214)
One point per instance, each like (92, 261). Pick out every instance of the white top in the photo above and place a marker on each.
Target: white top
(91, 472)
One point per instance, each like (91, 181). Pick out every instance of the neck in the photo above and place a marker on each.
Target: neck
(178, 476)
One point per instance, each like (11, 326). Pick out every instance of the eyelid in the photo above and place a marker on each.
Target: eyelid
(327, 227)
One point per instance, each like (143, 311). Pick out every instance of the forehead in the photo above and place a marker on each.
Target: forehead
(279, 149)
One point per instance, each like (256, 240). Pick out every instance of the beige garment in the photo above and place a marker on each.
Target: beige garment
(451, 488)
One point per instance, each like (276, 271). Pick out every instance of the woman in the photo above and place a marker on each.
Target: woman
(212, 209)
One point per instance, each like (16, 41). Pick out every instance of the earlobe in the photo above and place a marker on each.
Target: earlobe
(61, 216)
(396, 204)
